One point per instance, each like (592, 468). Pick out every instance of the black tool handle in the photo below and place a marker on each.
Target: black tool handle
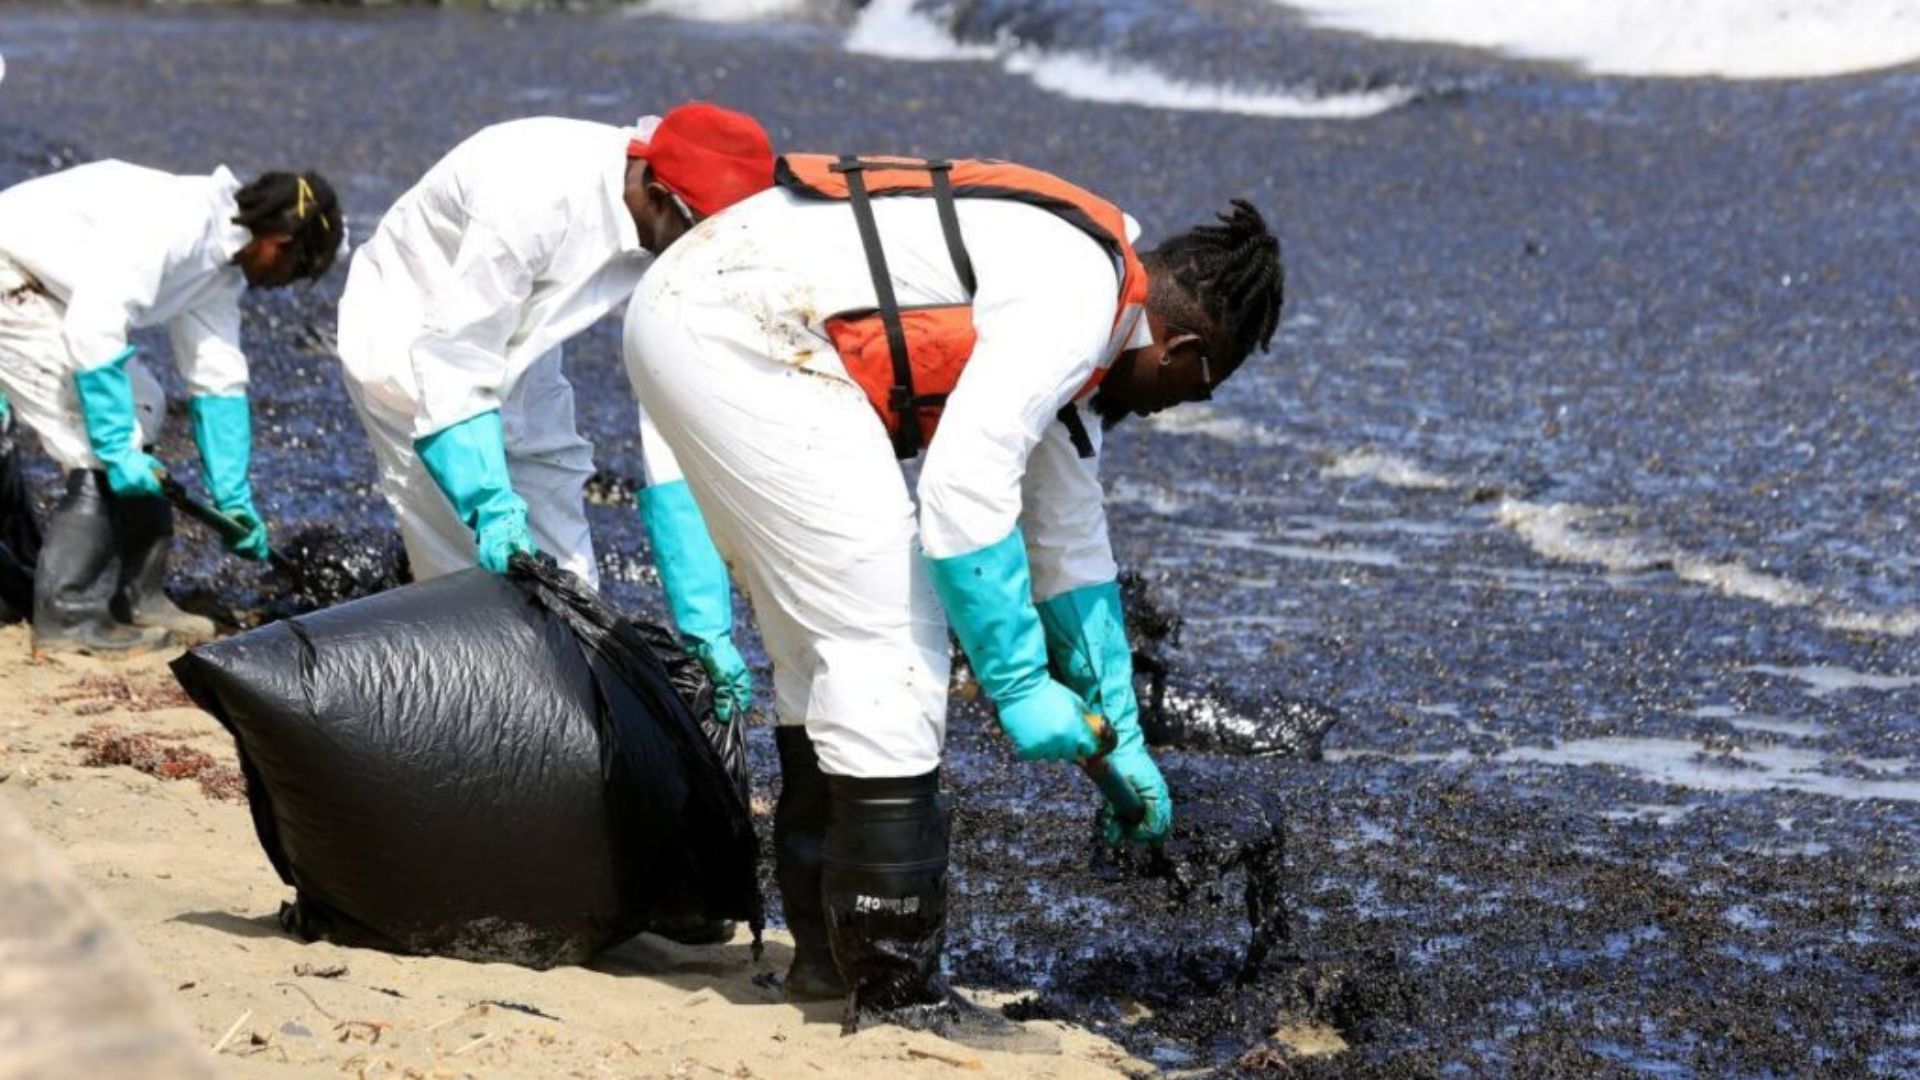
(220, 523)
(1129, 809)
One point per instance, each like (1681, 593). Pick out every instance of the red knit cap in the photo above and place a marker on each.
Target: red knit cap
(709, 156)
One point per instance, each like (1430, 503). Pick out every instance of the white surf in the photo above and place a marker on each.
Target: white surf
(893, 29)
(1736, 39)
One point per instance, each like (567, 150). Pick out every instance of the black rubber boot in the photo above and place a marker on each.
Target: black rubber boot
(799, 831)
(143, 535)
(77, 574)
(885, 883)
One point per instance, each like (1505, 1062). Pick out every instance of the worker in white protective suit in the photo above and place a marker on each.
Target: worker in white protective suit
(451, 331)
(991, 316)
(85, 255)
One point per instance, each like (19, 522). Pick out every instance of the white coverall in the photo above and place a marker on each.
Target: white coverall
(794, 472)
(90, 252)
(514, 242)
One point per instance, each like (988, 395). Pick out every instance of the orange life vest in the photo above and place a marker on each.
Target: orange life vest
(908, 359)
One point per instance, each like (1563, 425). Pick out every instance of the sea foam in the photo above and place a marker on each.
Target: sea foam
(1738, 39)
(895, 29)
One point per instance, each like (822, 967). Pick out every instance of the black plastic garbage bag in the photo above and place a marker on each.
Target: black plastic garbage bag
(480, 767)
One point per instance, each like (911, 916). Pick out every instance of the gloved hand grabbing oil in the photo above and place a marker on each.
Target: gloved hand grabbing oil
(1135, 765)
(1048, 666)
(1088, 650)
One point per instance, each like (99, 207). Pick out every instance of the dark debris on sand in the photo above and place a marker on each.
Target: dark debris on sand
(160, 756)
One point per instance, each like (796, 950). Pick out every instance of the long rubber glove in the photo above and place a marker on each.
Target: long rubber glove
(988, 595)
(223, 429)
(469, 463)
(106, 406)
(1086, 634)
(698, 591)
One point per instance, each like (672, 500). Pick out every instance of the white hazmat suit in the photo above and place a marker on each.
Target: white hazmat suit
(86, 254)
(514, 242)
(726, 346)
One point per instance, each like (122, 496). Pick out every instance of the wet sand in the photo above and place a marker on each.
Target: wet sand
(185, 881)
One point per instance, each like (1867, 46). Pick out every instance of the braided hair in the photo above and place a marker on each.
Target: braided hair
(1231, 273)
(303, 206)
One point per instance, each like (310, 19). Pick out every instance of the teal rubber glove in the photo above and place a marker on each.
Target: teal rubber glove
(106, 406)
(988, 595)
(223, 429)
(469, 463)
(698, 591)
(1087, 645)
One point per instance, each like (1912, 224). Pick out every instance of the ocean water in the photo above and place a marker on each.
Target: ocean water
(1243, 56)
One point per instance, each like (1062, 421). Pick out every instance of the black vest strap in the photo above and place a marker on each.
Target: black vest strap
(950, 223)
(906, 412)
(1069, 415)
(901, 398)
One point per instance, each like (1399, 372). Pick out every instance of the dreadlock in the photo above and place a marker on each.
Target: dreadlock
(301, 205)
(1232, 272)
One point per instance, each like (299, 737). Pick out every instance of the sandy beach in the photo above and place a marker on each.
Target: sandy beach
(178, 870)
